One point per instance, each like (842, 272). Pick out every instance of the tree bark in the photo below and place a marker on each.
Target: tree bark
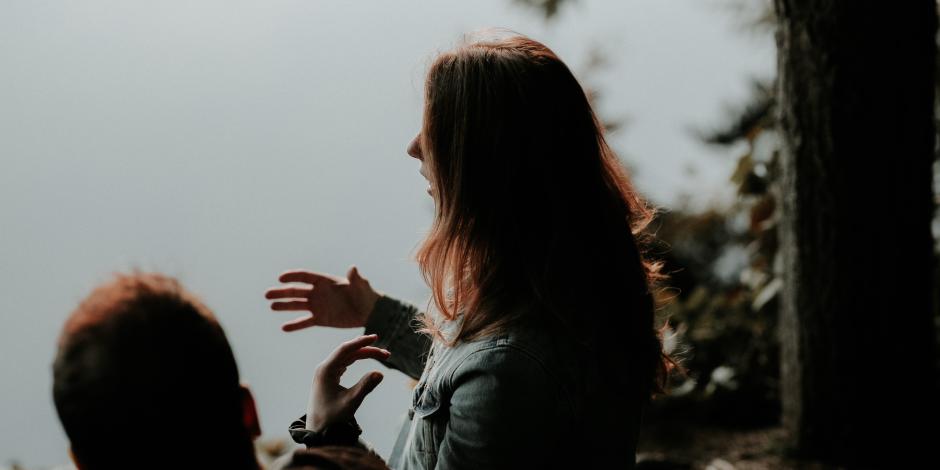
(856, 107)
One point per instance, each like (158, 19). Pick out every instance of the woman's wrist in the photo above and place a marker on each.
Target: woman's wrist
(339, 433)
(370, 298)
(311, 421)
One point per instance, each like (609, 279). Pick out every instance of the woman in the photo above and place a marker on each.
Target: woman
(541, 349)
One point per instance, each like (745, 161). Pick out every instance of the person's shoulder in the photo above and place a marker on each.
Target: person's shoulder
(514, 352)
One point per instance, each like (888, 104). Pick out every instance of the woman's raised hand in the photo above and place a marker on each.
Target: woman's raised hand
(329, 300)
(331, 402)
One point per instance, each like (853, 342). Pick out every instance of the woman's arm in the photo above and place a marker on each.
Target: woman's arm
(351, 302)
(395, 323)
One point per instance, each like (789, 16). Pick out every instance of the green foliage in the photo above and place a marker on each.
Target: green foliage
(721, 263)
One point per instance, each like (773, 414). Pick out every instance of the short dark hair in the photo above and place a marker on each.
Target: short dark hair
(334, 458)
(144, 372)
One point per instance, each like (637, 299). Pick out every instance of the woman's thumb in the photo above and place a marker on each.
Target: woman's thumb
(365, 385)
(353, 274)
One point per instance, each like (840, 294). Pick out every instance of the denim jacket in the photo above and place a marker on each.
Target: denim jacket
(509, 400)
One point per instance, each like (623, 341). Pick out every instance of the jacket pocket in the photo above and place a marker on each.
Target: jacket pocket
(427, 402)
(429, 421)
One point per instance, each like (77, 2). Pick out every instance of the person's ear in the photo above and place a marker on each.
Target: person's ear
(250, 413)
(74, 460)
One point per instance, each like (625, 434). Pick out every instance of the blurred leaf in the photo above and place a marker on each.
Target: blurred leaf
(743, 168)
(548, 7)
(768, 293)
(752, 17)
(761, 213)
(746, 120)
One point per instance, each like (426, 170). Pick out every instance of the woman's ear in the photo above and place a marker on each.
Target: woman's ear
(74, 460)
(250, 413)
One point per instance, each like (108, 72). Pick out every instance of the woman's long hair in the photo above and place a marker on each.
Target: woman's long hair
(535, 216)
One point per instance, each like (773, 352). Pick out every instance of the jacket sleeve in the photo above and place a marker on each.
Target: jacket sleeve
(503, 412)
(338, 445)
(395, 323)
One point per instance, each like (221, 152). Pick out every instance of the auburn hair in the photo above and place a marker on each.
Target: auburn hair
(535, 216)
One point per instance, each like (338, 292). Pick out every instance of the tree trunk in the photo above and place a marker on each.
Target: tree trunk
(856, 103)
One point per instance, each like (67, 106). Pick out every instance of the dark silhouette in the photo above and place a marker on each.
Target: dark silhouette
(334, 458)
(856, 103)
(544, 315)
(145, 378)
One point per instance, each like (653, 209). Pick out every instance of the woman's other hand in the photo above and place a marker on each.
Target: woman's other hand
(330, 402)
(330, 300)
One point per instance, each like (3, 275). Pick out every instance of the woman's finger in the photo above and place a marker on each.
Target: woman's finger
(291, 305)
(288, 293)
(337, 363)
(299, 323)
(351, 346)
(368, 352)
(362, 388)
(299, 275)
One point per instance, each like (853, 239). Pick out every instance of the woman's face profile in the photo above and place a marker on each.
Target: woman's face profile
(414, 149)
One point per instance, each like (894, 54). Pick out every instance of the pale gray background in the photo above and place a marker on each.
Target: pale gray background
(225, 141)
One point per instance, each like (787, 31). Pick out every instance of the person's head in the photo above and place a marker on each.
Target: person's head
(535, 215)
(145, 378)
(334, 458)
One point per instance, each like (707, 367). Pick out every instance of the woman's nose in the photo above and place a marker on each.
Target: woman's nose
(414, 148)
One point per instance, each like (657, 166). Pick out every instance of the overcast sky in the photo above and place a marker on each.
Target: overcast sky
(226, 141)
